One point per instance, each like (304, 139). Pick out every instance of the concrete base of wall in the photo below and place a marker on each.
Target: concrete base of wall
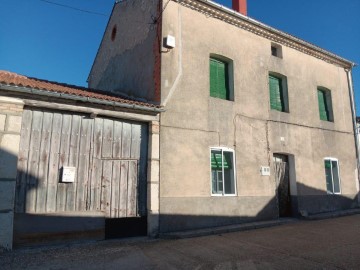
(314, 204)
(178, 214)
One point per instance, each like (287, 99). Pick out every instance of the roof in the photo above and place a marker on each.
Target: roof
(213, 9)
(44, 87)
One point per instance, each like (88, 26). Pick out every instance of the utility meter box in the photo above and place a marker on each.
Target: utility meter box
(265, 170)
(68, 174)
(170, 41)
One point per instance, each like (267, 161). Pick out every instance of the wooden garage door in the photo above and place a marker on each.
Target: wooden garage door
(109, 156)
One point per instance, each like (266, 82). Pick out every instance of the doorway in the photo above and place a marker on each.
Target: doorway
(282, 180)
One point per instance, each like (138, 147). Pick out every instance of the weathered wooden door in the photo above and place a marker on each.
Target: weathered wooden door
(109, 157)
(281, 166)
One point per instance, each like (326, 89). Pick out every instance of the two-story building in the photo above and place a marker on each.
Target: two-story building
(196, 116)
(258, 124)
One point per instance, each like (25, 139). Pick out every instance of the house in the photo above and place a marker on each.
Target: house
(258, 124)
(196, 116)
(73, 162)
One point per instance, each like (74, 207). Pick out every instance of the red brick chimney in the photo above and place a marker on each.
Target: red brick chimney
(240, 6)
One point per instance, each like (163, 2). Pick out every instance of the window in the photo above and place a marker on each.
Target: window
(325, 105)
(276, 50)
(278, 93)
(220, 78)
(222, 171)
(332, 174)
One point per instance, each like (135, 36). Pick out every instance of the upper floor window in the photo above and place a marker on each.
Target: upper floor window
(278, 93)
(222, 171)
(276, 50)
(325, 104)
(332, 174)
(221, 78)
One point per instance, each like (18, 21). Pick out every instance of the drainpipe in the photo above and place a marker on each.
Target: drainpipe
(353, 111)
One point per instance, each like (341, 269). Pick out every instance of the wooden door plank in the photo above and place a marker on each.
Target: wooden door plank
(63, 161)
(22, 175)
(96, 172)
(53, 162)
(33, 164)
(123, 188)
(83, 171)
(126, 141)
(117, 139)
(44, 162)
(106, 187)
(132, 189)
(115, 189)
(107, 138)
(73, 161)
(135, 141)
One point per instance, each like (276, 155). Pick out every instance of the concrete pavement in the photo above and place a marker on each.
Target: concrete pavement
(321, 244)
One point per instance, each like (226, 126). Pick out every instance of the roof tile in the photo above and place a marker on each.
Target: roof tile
(14, 79)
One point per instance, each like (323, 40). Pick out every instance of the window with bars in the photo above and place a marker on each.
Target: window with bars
(220, 76)
(278, 93)
(332, 174)
(222, 172)
(325, 105)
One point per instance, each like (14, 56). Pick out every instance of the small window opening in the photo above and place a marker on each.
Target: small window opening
(276, 50)
(113, 33)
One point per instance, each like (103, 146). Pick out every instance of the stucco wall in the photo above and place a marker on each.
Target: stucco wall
(194, 122)
(126, 62)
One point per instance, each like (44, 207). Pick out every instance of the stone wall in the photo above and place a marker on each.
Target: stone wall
(10, 126)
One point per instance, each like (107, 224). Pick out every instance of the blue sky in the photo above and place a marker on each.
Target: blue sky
(51, 42)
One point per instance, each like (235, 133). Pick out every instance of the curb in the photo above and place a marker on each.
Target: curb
(335, 214)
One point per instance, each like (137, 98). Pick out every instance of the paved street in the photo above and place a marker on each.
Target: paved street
(324, 244)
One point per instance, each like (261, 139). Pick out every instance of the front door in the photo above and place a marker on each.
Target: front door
(281, 168)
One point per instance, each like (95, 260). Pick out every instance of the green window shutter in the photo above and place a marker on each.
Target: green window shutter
(276, 94)
(219, 79)
(213, 78)
(323, 110)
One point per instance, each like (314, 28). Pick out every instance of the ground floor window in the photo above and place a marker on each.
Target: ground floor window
(222, 171)
(332, 174)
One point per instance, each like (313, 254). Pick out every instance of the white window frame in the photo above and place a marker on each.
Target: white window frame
(222, 149)
(332, 176)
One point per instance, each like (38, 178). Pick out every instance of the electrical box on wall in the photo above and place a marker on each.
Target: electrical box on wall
(68, 174)
(170, 41)
(265, 170)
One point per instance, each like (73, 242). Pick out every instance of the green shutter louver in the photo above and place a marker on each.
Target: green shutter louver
(276, 94)
(323, 107)
(219, 79)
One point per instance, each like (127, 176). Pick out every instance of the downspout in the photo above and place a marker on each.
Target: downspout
(353, 112)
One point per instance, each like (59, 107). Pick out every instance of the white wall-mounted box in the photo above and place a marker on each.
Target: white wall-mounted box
(265, 170)
(170, 41)
(68, 174)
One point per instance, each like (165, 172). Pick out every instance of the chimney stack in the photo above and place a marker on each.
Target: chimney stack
(240, 6)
